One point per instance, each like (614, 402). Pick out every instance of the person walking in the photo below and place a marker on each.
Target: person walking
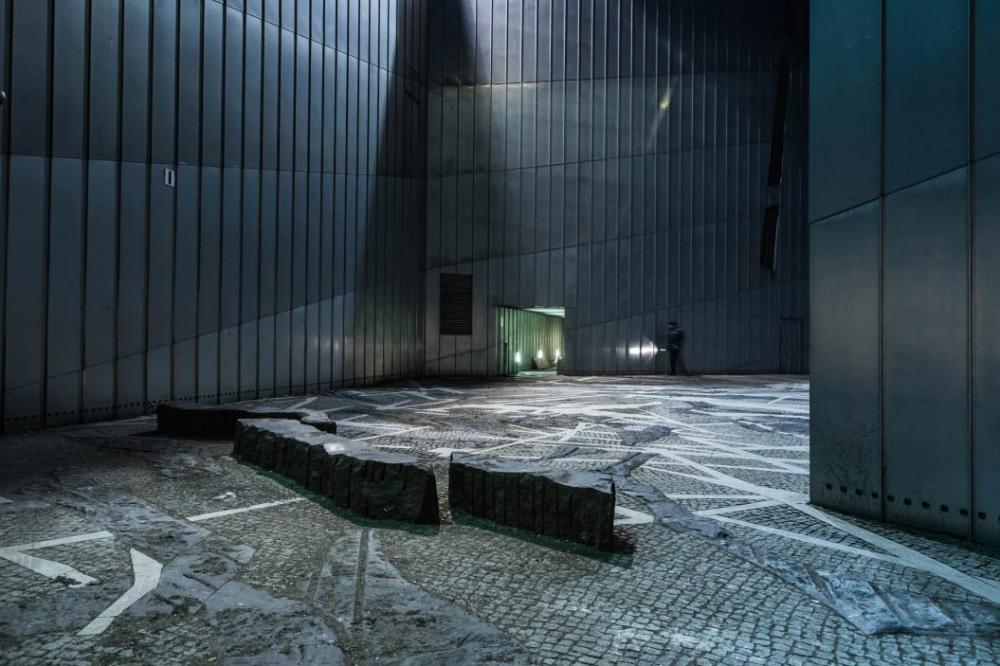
(675, 347)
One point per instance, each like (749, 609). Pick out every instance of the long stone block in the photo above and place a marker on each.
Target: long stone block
(191, 419)
(570, 505)
(371, 483)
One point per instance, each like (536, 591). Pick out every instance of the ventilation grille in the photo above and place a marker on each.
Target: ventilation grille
(456, 304)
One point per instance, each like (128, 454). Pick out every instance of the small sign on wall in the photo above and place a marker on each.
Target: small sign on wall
(169, 177)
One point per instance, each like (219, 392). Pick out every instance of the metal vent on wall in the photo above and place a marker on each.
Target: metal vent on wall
(456, 304)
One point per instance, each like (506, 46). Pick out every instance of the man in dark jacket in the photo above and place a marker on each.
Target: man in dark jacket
(675, 344)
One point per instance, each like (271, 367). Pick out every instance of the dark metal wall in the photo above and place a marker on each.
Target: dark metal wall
(905, 235)
(611, 157)
(281, 260)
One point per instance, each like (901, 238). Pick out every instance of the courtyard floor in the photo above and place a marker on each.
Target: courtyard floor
(118, 545)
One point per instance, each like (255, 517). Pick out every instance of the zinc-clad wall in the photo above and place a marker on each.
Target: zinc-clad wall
(280, 261)
(905, 235)
(611, 157)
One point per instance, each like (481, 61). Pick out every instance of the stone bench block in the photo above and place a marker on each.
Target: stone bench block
(219, 421)
(371, 483)
(563, 504)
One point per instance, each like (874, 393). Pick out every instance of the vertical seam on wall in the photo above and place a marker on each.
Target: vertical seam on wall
(971, 321)
(881, 297)
(150, 169)
(242, 216)
(118, 209)
(8, 50)
(220, 266)
(175, 159)
(48, 157)
(201, 187)
(85, 222)
(260, 197)
(277, 202)
(306, 197)
(322, 206)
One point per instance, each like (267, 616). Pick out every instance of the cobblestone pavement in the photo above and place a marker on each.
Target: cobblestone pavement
(121, 546)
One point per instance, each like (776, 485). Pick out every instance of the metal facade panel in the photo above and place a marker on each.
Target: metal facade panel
(160, 270)
(163, 77)
(186, 259)
(986, 352)
(268, 242)
(927, 463)
(101, 262)
(846, 415)
(253, 101)
(104, 73)
(926, 90)
(230, 267)
(250, 237)
(189, 82)
(67, 219)
(69, 77)
(212, 84)
(987, 84)
(135, 82)
(131, 291)
(29, 93)
(24, 334)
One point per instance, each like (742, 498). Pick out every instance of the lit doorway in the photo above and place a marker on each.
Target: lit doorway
(530, 340)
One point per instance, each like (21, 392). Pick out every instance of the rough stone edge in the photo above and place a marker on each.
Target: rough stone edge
(535, 499)
(219, 421)
(298, 451)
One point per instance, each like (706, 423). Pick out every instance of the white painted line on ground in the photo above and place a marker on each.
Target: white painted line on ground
(146, 573)
(772, 470)
(391, 434)
(632, 517)
(49, 568)
(303, 403)
(986, 588)
(229, 512)
(445, 452)
(738, 508)
(721, 497)
(805, 538)
(4, 500)
(899, 553)
(77, 538)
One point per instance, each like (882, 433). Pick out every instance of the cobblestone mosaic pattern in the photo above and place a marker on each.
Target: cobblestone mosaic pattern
(121, 546)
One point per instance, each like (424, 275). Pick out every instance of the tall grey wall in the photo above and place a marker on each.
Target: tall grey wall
(905, 236)
(282, 259)
(611, 157)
